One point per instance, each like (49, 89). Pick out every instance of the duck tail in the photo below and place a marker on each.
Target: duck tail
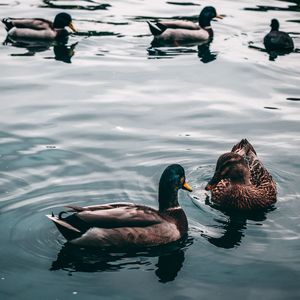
(244, 148)
(66, 229)
(156, 29)
(8, 23)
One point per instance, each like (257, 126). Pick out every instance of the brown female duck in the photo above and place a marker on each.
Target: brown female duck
(122, 225)
(241, 181)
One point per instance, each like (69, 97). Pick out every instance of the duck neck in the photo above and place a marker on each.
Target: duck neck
(210, 31)
(205, 24)
(167, 198)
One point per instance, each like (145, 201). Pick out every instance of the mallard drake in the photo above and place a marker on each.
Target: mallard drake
(241, 181)
(122, 225)
(39, 28)
(278, 40)
(177, 31)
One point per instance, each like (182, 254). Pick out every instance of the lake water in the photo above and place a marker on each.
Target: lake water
(99, 120)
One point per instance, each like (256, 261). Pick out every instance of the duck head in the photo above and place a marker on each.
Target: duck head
(62, 20)
(274, 25)
(172, 179)
(207, 14)
(230, 166)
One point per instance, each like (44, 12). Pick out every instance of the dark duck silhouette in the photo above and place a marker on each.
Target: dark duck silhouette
(277, 40)
(34, 28)
(241, 181)
(126, 225)
(178, 32)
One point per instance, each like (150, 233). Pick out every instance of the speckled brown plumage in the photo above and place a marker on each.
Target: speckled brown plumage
(241, 181)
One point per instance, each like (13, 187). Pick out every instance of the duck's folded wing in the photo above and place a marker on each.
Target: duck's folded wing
(77, 208)
(37, 24)
(124, 216)
(178, 24)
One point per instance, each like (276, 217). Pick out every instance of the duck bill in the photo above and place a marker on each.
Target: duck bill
(219, 17)
(71, 26)
(187, 187)
(212, 183)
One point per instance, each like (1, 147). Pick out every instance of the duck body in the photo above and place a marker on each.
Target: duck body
(277, 40)
(241, 181)
(39, 29)
(179, 32)
(125, 225)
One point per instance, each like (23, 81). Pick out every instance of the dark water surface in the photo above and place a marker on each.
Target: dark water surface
(98, 120)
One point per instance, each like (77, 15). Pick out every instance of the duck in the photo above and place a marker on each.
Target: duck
(241, 182)
(41, 29)
(122, 225)
(178, 31)
(277, 40)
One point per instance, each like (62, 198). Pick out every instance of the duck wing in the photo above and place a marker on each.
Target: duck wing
(108, 216)
(117, 215)
(178, 24)
(32, 23)
(259, 174)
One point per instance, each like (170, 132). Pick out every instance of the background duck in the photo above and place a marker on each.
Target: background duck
(177, 32)
(127, 224)
(278, 40)
(240, 180)
(31, 28)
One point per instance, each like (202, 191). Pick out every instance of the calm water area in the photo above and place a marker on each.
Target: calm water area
(98, 119)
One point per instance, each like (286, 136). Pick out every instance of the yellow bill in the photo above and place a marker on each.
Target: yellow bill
(72, 27)
(187, 187)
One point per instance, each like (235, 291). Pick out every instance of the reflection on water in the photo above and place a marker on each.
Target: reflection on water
(202, 51)
(166, 52)
(170, 259)
(265, 8)
(88, 4)
(62, 51)
(205, 54)
(229, 226)
(273, 54)
(183, 3)
(235, 227)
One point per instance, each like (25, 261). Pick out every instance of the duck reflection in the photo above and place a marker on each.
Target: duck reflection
(170, 260)
(203, 52)
(205, 55)
(62, 51)
(235, 226)
(273, 54)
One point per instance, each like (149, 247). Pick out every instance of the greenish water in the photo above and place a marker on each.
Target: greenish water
(99, 120)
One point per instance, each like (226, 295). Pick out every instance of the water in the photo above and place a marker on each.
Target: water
(98, 121)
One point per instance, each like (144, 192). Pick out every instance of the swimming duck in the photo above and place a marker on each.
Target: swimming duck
(39, 28)
(177, 32)
(241, 181)
(278, 40)
(122, 225)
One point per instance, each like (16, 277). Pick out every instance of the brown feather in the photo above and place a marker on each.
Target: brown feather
(230, 191)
